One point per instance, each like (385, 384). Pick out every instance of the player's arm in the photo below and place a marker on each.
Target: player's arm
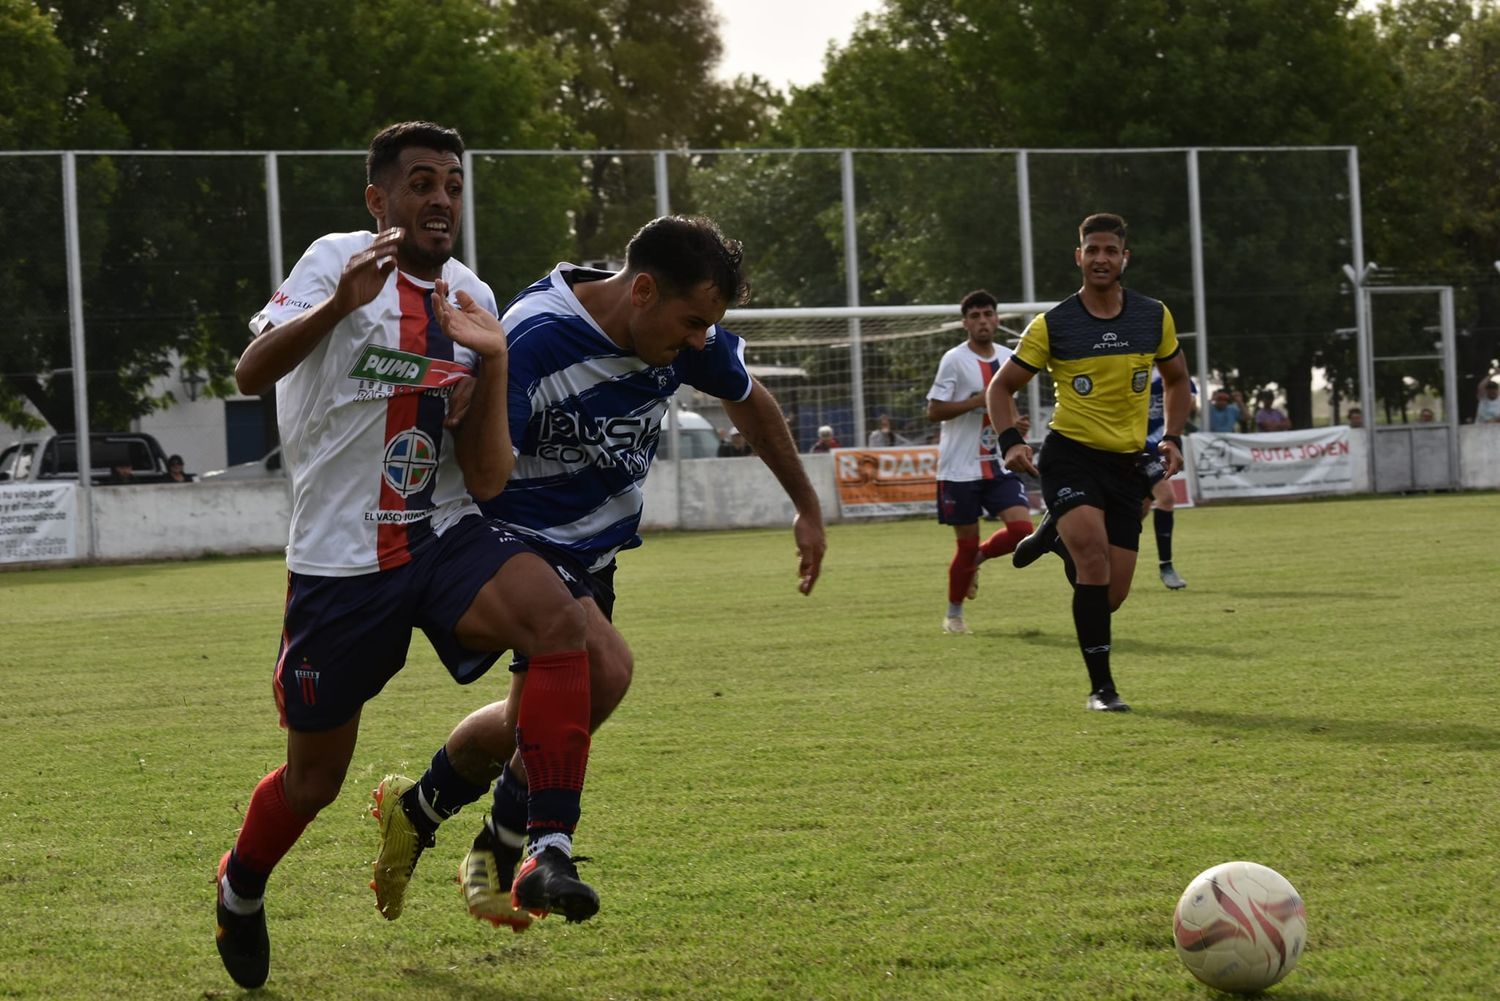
(946, 410)
(482, 439)
(1000, 397)
(759, 418)
(1176, 399)
(281, 348)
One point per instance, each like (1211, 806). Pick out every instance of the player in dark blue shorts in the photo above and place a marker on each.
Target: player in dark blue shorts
(385, 536)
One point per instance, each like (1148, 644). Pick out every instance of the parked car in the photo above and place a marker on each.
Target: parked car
(53, 457)
(266, 467)
(699, 439)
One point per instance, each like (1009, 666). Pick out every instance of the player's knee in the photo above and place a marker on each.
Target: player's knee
(561, 626)
(610, 674)
(309, 788)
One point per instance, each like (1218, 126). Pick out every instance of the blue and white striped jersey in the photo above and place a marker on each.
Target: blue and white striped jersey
(1156, 417)
(585, 417)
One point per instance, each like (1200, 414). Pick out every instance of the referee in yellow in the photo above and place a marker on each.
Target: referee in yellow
(1098, 345)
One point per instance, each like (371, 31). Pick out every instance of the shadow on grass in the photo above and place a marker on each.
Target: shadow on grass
(1124, 647)
(1456, 737)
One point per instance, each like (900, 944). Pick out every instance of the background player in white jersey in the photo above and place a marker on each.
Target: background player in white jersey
(1162, 503)
(595, 358)
(362, 348)
(971, 476)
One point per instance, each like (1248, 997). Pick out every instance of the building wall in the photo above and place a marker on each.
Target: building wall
(172, 521)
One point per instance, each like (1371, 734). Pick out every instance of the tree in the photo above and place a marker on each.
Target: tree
(636, 75)
(174, 248)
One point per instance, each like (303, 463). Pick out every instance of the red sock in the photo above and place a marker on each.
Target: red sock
(271, 828)
(1006, 540)
(553, 734)
(961, 570)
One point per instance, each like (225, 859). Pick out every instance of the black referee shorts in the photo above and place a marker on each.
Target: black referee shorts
(1074, 474)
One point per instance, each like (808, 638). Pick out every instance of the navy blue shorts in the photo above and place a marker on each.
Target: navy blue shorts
(580, 582)
(344, 637)
(961, 501)
(1073, 474)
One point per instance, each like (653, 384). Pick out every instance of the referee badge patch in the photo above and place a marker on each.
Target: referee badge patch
(1083, 385)
(1138, 380)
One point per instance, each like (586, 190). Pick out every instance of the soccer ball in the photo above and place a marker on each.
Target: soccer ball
(1240, 927)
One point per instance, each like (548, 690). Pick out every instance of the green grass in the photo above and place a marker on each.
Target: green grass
(812, 797)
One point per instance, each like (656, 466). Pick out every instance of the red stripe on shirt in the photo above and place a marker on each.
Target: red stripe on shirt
(400, 414)
(989, 459)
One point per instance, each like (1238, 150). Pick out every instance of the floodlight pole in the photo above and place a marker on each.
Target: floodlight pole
(82, 442)
(1028, 278)
(851, 291)
(1365, 347)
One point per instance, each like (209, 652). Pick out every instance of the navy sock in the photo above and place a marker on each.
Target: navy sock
(1091, 620)
(1163, 522)
(509, 811)
(439, 794)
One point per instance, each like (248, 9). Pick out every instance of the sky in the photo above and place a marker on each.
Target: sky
(784, 40)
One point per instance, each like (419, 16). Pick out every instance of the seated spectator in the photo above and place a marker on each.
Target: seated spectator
(885, 434)
(1224, 413)
(734, 445)
(826, 441)
(1356, 417)
(1267, 417)
(175, 472)
(1489, 404)
(120, 473)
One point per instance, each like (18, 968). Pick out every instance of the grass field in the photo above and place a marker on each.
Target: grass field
(813, 797)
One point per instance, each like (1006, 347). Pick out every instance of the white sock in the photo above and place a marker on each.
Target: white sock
(955, 611)
(553, 840)
(236, 903)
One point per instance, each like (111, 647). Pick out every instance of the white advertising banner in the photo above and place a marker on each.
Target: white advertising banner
(37, 522)
(1277, 464)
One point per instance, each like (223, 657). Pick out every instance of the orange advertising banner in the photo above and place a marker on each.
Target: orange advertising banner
(885, 481)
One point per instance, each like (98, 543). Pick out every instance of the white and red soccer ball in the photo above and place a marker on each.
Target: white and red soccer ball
(1240, 927)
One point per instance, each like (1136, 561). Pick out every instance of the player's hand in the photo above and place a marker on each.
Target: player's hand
(812, 543)
(366, 272)
(470, 324)
(1018, 460)
(458, 402)
(1171, 456)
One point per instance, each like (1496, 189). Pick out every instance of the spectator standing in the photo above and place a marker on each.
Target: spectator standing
(885, 435)
(175, 473)
(1267, 417)
(735, 445)
(1356, 417)
(1489, 404)
(826, 441)
(1224, 413)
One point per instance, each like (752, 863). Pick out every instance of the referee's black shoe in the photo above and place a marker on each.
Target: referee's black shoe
(1031, 548)
(1107, 700)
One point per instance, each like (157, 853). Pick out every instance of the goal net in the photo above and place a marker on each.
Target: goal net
(848, 366)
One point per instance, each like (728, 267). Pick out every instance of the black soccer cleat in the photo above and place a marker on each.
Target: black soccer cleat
(1038, 543)
(548, 882)
(243, 943)
(1107, 700)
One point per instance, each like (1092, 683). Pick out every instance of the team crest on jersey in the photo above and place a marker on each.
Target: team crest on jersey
(410, 462)
(1083, 385)
(1138, 380)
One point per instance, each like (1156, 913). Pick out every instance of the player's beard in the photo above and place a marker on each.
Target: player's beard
(423, 258)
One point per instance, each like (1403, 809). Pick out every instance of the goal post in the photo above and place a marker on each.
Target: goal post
(846, 366)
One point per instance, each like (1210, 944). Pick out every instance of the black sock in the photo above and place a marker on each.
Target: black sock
(440, 790)
(1091, 620)
(1163, 521)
